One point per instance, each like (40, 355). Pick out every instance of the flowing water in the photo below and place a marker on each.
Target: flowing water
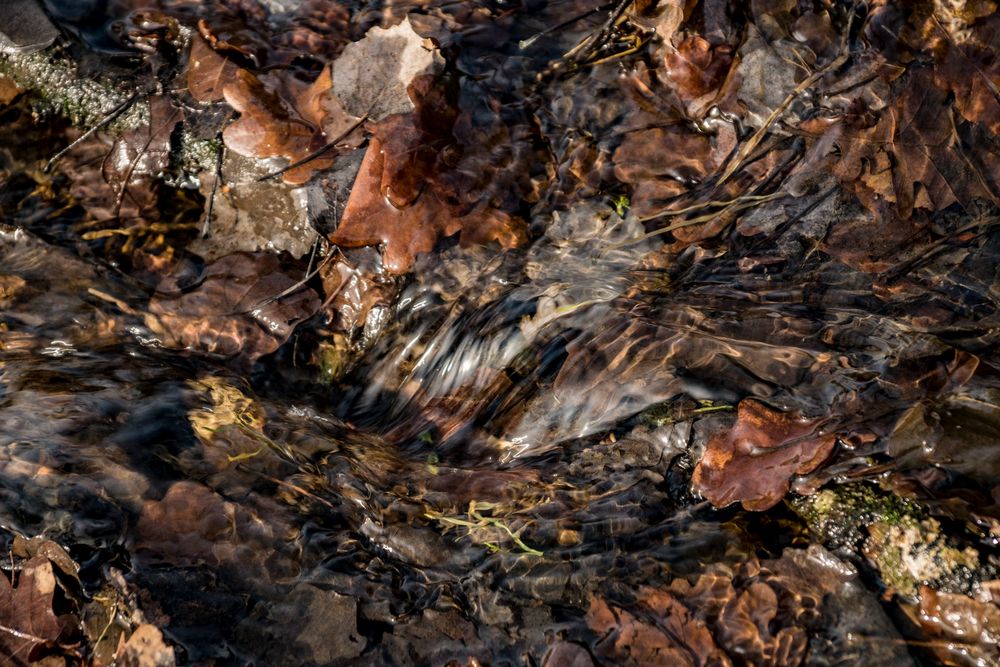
(519, 433)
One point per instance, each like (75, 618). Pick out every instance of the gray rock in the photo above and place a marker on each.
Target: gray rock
(24, 27)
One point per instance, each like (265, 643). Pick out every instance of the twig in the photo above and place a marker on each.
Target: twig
(107, 120)
(598, 37)
(525, 43)
(809, 82)
(316, 153)
(206, 225)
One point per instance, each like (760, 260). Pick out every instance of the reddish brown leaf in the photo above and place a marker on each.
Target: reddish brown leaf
(370, 218)
(971, 71)
(208, 72)
(911, 155)
(240, 308)
(9, 90)
(698, 72)
(145, 648)
(969, 628)
(27, 621)
(753, 462)
(759, 614)
(292, 125)
(662, 163)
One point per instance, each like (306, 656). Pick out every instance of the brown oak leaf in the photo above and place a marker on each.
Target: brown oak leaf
(286, 119)
(138, 158)
(208, 71)
(371, 216)
(698, 72)
(911, 155)
(971, 71)
(753, 462)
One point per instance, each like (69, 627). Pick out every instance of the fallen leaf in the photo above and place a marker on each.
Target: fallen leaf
(208, 72)
(250, 215)
(294, 126)
(970, 70)
(753, 462)
(698, 72)
(139, 157)
(9, 90)
(968, 629)
(239, 308)
(911, 154)
(662, 163)
(371, 218)
(760, 614)
(372, 75)
(27, 621)
(145, 648)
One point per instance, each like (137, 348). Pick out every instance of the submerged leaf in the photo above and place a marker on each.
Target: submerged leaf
(753, 462)
(245, 305)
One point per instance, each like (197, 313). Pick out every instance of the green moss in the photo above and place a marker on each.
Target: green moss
(896, 537)
(193, 156)
(59, 89)
(838, 516)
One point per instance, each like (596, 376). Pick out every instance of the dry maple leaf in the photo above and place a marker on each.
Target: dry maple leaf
(753, 462)
(27, 621)
(294, 126)
(371, 216)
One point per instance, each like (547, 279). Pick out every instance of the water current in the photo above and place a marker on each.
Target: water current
(516, 437)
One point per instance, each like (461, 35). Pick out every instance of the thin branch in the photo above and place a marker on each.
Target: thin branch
(113, 115)
(316, 153)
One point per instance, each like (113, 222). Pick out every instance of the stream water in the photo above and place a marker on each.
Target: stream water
(518, 436)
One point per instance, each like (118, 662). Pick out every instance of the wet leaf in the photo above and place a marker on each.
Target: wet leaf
(968, 67)
(138, 158)
(27, 621)
(969, 628)
(760, 614)
(372, 75)
(9, 90)
(698, 73)
(293, 126)
(145, 648)
(912, 156)
(240, 307)
(370, 218)
(753, 461)
(208, 71)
